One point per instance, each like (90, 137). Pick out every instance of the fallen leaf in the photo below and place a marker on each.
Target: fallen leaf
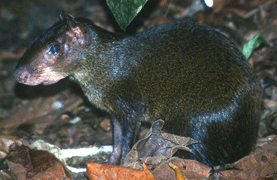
(218, 5)
(221, 6)
(16, 170)
(42, 145)
(38, 164)
(41, 110)
(179, 173)
(55, 172)
(6, 142)
(191, 168)
(261, 162)
(156, 147)
(270, 177)
(97, 171)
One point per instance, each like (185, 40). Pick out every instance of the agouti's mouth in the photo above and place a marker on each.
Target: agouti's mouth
(23, 76)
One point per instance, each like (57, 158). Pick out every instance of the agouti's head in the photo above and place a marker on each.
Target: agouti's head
(54, 55)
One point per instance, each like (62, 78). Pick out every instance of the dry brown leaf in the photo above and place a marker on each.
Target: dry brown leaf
(97, 171)
(56, 172)
(6, 142)
(38, 164)
(41, 110)
(179, 173)
(18, 170)
(156, 147)
(270, 177)
(261, 162)
(258, 2)
(191, 168)
(221, 6)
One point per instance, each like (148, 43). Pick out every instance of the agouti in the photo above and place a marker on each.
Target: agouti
(187, 74)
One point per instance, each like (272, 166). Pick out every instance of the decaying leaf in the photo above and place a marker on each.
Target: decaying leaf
(218, 5)
(156, 147)
(269, 177)
(6, 142)
(261, 162)
(179, 173)
(55, 172)
(112, 172)
(191, 168)
(222, 6)
(42, 145)
(37, 164)
(41, 110)
(15, 171)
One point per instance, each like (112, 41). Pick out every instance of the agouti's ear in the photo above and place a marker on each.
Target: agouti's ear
(77, 30)
(65, 16)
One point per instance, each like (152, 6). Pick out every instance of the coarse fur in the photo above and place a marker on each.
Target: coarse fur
(187, 74)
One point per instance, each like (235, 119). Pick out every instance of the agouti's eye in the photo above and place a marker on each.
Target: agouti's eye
(54, 49)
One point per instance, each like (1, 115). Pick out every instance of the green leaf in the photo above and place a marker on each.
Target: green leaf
(125, 11)
(255, 42)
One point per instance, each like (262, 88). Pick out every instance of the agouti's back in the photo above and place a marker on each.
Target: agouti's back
(184, 73)
(200, 84)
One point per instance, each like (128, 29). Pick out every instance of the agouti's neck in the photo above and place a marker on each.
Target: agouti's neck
(105, 60)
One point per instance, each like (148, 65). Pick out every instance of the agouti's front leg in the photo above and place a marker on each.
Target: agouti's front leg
(127, 107)
(117, 142)
(125, 134)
